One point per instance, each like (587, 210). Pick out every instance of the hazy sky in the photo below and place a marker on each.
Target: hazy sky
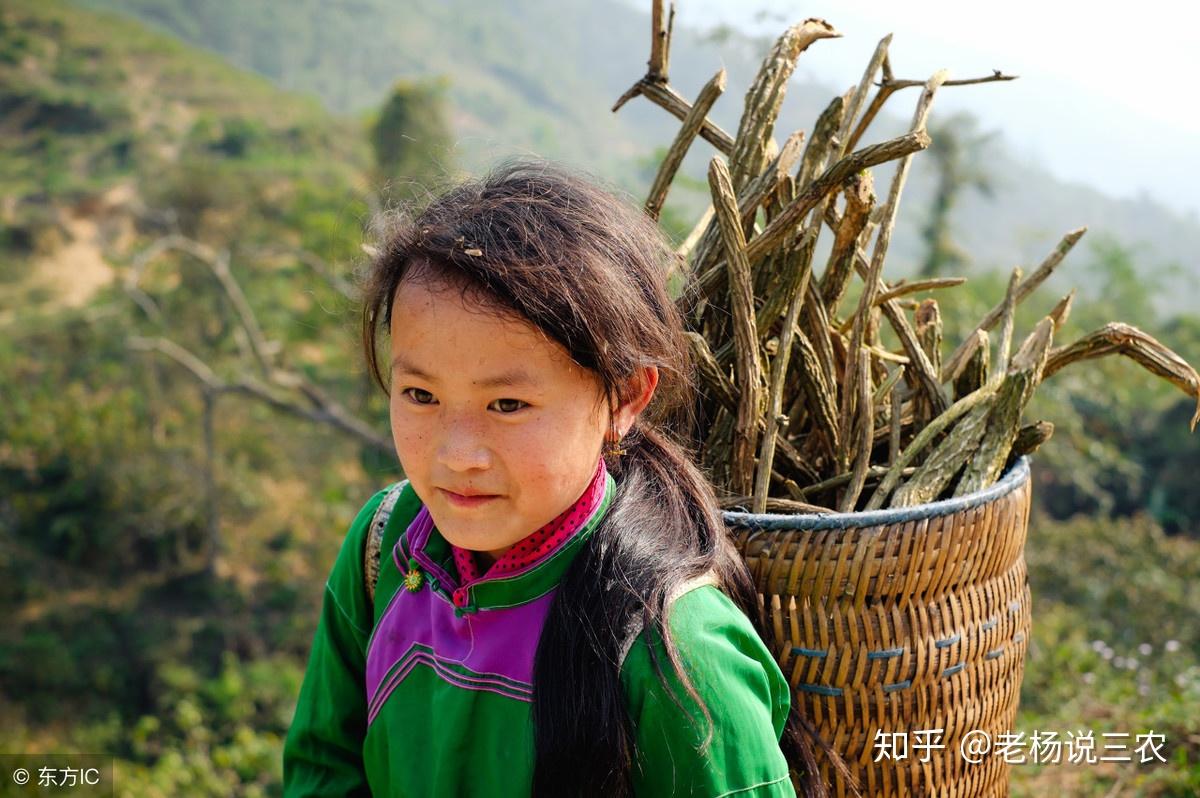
(1105, 97)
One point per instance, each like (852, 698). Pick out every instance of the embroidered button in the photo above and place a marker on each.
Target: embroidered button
(413, 579)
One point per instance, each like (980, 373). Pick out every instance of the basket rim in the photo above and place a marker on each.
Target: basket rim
(1016, 476)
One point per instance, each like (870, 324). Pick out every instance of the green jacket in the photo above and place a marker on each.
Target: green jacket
(418, 697)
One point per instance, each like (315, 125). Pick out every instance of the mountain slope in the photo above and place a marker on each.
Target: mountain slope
(104, 124)
(540, 75)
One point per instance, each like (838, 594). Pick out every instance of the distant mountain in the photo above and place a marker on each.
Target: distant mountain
(540, 75)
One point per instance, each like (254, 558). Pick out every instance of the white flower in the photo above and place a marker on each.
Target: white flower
(1145, 649)
(1172, 646)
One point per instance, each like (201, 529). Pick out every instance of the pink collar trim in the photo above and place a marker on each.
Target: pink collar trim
(540, 543)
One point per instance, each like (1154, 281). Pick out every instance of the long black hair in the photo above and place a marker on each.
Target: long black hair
(590, 270)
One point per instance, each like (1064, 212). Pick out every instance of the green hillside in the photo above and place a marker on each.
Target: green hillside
(99, 114)
(158, 585)
(541, 75)
(507, 95)
(117, 97)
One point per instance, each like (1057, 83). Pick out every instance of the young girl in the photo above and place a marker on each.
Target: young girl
(559, 609)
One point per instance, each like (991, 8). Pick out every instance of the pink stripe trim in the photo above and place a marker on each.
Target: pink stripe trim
(418, 657)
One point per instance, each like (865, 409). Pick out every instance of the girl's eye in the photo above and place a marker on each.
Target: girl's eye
(419, 396)
(412, 393)
(511, 402)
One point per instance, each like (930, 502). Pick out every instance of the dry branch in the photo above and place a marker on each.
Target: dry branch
(830, 402)
(904, 289)
(1031, 437)
(889, 86)
(218, 263)
(924, 438)
(660, 42)
(1039, 276)
(866, 435)
(975, 368)
(946, 459)
(749, 369)
(859, 192)
(783, 224)
(665, 97)
(683, 140)
(860, 93)
(823, 141)
(779, 368)
(922, 370)
(1007, 309)
(1004, 421)
(772, 505)
(833, 177)
(749, 201)
(763, 100)
(1124, 339)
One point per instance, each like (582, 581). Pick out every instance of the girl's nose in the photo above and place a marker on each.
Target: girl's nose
(463, 448)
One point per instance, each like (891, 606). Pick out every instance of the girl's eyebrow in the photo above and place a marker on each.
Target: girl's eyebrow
(516, 376)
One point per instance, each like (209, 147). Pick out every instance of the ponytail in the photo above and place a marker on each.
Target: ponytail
(663, 528)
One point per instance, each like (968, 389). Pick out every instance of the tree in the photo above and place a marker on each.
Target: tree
(411, 138)
(957, 152)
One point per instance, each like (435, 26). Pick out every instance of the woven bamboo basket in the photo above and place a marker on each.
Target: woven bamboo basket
(901, 621)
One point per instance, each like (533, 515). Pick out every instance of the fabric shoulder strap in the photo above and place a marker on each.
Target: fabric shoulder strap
(634, 627)
(374, 545)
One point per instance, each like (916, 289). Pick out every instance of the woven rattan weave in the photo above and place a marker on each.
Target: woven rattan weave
(901, 621)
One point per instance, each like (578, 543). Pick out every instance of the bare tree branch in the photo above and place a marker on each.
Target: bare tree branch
(218, 264)
(1027, 287)
(683, 140)
(665, 97)
(323, 411)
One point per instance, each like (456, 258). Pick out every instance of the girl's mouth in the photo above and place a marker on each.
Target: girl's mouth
(458, 500)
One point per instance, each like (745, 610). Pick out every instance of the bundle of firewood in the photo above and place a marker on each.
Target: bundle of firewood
(805, 407)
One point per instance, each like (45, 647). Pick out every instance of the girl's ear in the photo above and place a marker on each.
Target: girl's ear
(640, 389)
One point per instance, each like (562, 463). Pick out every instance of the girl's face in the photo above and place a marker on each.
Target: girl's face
(487, 406)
